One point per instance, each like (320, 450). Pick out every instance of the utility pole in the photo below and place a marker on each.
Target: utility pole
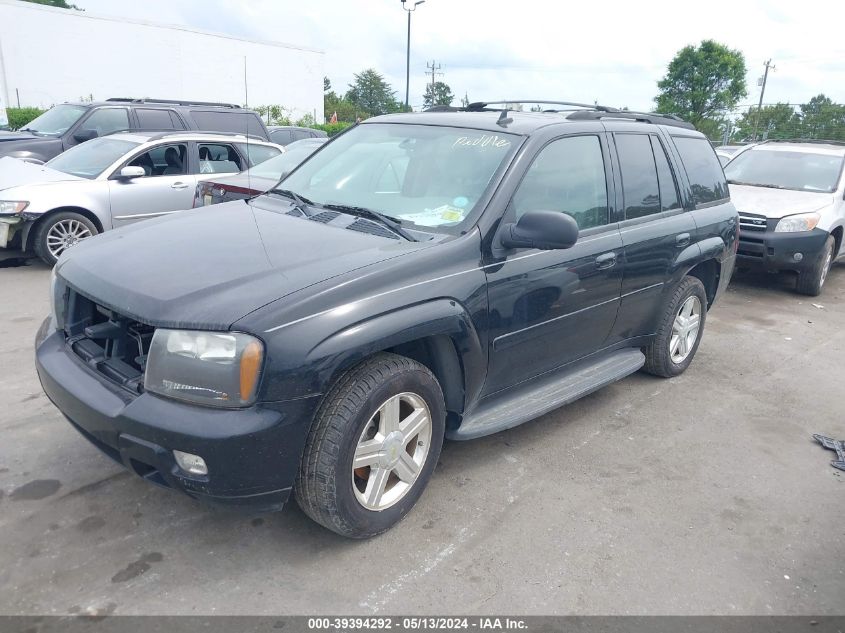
(762, 92)
(433, 69)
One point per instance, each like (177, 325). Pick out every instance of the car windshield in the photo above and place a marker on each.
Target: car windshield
(424, 175)
(286, 162)
(56, 120)
(88, 160)
(782, 169)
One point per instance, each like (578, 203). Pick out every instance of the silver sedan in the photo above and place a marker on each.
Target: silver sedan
(112, 181)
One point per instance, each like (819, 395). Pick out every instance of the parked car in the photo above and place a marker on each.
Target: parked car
(428, 275)
(258, 179)
(66, 125)
(790, 200)
(287, 134)
(726, 152)
(111, 181)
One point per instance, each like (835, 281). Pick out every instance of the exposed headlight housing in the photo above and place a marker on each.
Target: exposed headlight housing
(797, 223)
(219, 369)
(13, 206)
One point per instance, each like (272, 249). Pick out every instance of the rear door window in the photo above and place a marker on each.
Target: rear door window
(707, 180)
(282, 137)
(668, 188)
(152, 119)
(640, 188)
(219, 158)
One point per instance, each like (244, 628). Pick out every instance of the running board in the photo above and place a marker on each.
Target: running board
(547, 394)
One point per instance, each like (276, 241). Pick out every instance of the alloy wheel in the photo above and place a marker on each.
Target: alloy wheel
(64, 234)
(685, 330)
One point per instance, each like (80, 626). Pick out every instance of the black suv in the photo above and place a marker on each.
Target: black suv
(69, 124)
(443, 274)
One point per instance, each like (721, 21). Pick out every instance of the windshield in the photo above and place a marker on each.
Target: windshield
(56, 120)
(801, 171)
(286, 162)
(88, 160)
(425, 175)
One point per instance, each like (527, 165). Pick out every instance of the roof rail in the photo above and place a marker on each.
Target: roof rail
(819, 141)
(481, 105)
(175, 102)
(644, 117)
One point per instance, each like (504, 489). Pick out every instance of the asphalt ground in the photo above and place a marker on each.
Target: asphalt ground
(703, 494)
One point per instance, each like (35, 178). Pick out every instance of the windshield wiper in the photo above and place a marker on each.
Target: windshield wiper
(756, 184)
(298, 201)
(391, 223)
(29, 129)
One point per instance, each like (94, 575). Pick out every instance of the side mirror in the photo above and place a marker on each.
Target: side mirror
(85, 135)
(131, 171)
(546, 230)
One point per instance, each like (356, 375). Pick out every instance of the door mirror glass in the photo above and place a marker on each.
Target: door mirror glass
(84, 135)
(131, 171)
(546, 230)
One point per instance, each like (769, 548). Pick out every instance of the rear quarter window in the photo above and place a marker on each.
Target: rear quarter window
(706, 178)
(228, 121)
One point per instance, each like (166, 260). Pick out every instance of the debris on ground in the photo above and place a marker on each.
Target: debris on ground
(834, 445)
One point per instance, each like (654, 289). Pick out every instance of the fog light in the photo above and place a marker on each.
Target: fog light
(798, 257)
(193, 464)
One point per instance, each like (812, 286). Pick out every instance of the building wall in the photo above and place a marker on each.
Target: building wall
(50, 55)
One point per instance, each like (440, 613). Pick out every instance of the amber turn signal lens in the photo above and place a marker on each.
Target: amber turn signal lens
(250, 366)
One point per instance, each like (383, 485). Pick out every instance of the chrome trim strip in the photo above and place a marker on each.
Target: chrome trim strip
(142, 215)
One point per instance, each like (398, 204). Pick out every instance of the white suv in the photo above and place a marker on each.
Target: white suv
(789, 195)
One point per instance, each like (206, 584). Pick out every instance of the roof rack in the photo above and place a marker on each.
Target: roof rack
(482, 105)
(819, 141)
(175, 102)
(643, 117)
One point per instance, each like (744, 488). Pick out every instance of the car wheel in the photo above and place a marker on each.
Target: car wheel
(810, 281)
(373, 446)
(679, 333)
(60, 231)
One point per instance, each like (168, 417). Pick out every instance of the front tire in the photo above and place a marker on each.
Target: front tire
(680, 330)
(373, 446)
(810, 281)
(60, 231)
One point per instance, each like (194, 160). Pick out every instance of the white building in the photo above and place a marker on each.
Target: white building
(50, 55)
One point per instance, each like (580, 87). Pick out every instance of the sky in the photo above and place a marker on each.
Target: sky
(609, 52)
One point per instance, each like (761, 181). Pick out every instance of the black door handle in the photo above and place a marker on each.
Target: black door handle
(682, 240)
(606, 260)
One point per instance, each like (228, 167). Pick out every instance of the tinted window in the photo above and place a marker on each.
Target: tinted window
(257, 154)
(668, 188)
(639, 175)
(107, 120)
(223, 121)
(164, 160)
(567, 176)
(707, 180)
(149, 119)
(282, 137)
(217, 158)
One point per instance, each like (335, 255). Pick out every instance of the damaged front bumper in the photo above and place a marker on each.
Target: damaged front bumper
(9, 226)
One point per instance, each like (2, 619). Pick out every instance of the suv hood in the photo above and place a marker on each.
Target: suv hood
(17, 136)
(209, 267)
(14, 173)
(777, 203)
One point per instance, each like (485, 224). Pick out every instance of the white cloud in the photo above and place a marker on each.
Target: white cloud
(613, 52)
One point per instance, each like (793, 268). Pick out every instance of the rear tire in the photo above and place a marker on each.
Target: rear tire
(811, 280)
(387, 417)
(680, 330)
(60, 231)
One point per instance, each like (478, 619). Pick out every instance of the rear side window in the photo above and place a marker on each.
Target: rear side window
(228, 121)
(257, 154)
(707, 180)
(639, 175)
(150, 119)
(567, 176)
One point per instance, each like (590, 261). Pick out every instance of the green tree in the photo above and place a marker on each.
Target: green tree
(777, 121)
(372, 94)
(61, 4)
(823, 119)
(327, 84)
(439, 94)
(701, 83)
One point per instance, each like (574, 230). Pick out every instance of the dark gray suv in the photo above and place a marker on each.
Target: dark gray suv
(69, 124)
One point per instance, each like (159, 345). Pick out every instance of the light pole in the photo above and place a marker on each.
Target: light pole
(408, 51)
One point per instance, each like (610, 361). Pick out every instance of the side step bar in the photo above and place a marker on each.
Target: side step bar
(546, 394)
